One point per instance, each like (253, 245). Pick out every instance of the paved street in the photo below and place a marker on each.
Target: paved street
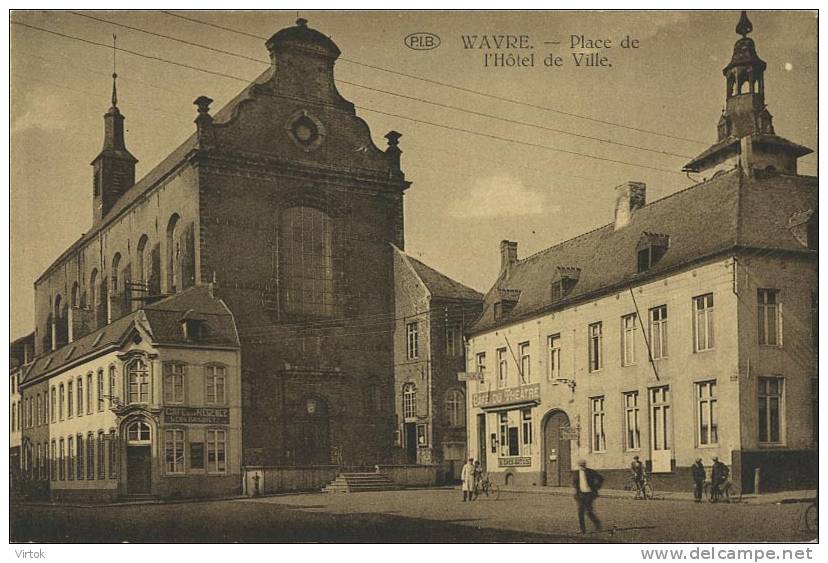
(435, 515)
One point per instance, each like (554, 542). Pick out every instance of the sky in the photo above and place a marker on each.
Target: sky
(537, 172)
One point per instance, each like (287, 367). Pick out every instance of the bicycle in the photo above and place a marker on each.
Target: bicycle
(487, 488)
(643, 490)
(812, 517)
(728, 492)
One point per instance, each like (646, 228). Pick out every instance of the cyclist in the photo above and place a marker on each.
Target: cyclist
(639, 476)
(718, 477)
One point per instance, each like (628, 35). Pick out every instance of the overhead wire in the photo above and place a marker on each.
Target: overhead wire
(364, 108)
(399, 95)
(459, 88)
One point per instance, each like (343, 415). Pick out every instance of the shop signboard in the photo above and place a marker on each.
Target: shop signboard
(470, 375)
(511, 395)
(514, 461)
(570, 433)
(197, 415)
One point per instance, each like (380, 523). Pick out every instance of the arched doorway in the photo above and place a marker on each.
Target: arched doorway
(139, 458)
(556, 450)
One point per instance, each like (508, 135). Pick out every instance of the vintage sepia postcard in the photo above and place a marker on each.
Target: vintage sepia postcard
(414, 277)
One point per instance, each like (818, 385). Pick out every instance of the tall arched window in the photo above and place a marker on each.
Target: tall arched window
(75, 295)
(409, 401)
(306, 261)
(173, 251)
(60, 329)
(143, 266)
(113, 275)
(455, 408)
(138, 381)
(93, 289)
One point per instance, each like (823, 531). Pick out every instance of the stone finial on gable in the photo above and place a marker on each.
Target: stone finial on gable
(203, 120)
(393, 151)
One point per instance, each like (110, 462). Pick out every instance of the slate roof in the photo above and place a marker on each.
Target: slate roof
(156, 174)
(717, 215)
(438, 284)
(163, 322)
(730, 146)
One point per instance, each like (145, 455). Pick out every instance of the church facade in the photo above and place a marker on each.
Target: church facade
(282, 202)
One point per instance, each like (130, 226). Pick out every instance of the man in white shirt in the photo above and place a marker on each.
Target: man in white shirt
(467, 475)
(586, 482)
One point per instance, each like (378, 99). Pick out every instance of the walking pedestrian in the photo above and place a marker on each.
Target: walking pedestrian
(699, 476)
(467, 475)
(587, 482)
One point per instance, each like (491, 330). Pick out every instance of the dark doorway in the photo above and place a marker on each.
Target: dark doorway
(139, 470)
(557, 460)
(312, 433)
(481, 440)
(410, 442)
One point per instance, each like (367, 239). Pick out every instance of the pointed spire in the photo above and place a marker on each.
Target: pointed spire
(114, 74)
(744, 26)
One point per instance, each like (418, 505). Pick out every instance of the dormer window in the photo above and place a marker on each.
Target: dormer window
(193, 326)
(507, 299)
(651, 248)
(564, 281)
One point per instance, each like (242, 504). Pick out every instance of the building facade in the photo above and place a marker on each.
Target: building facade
(432, 313)
(685, 329)
(149, 405)
(282, 201)
(21, 352)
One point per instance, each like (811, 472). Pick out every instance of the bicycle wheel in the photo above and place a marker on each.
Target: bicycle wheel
(811, 518)
(732, 493)
(495, 491)
(647, 491)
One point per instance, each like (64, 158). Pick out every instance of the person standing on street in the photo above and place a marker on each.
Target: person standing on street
(587, 482)
(478, 478)
(638, 475)
(467, 475)
(699, 476)
(718, 477)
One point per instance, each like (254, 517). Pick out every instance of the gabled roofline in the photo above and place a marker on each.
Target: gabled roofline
(413, 271)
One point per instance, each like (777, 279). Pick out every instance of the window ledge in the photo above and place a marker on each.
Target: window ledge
(771, 445)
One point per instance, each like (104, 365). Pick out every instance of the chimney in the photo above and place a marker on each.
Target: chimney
(629, 197)
(508, 254)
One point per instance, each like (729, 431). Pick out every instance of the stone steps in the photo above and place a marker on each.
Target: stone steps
(360, 482)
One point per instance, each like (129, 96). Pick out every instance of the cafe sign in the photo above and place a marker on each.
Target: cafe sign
(197, 415)
(512, 395)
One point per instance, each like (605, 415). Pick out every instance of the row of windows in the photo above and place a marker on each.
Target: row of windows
(769, 408)
(454, 405)
(73, 398)
(454, 341)
(178, 457)
(703, 338)
(71, 458)
(144, 278)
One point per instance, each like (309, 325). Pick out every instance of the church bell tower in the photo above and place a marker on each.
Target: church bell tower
(745, 134)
